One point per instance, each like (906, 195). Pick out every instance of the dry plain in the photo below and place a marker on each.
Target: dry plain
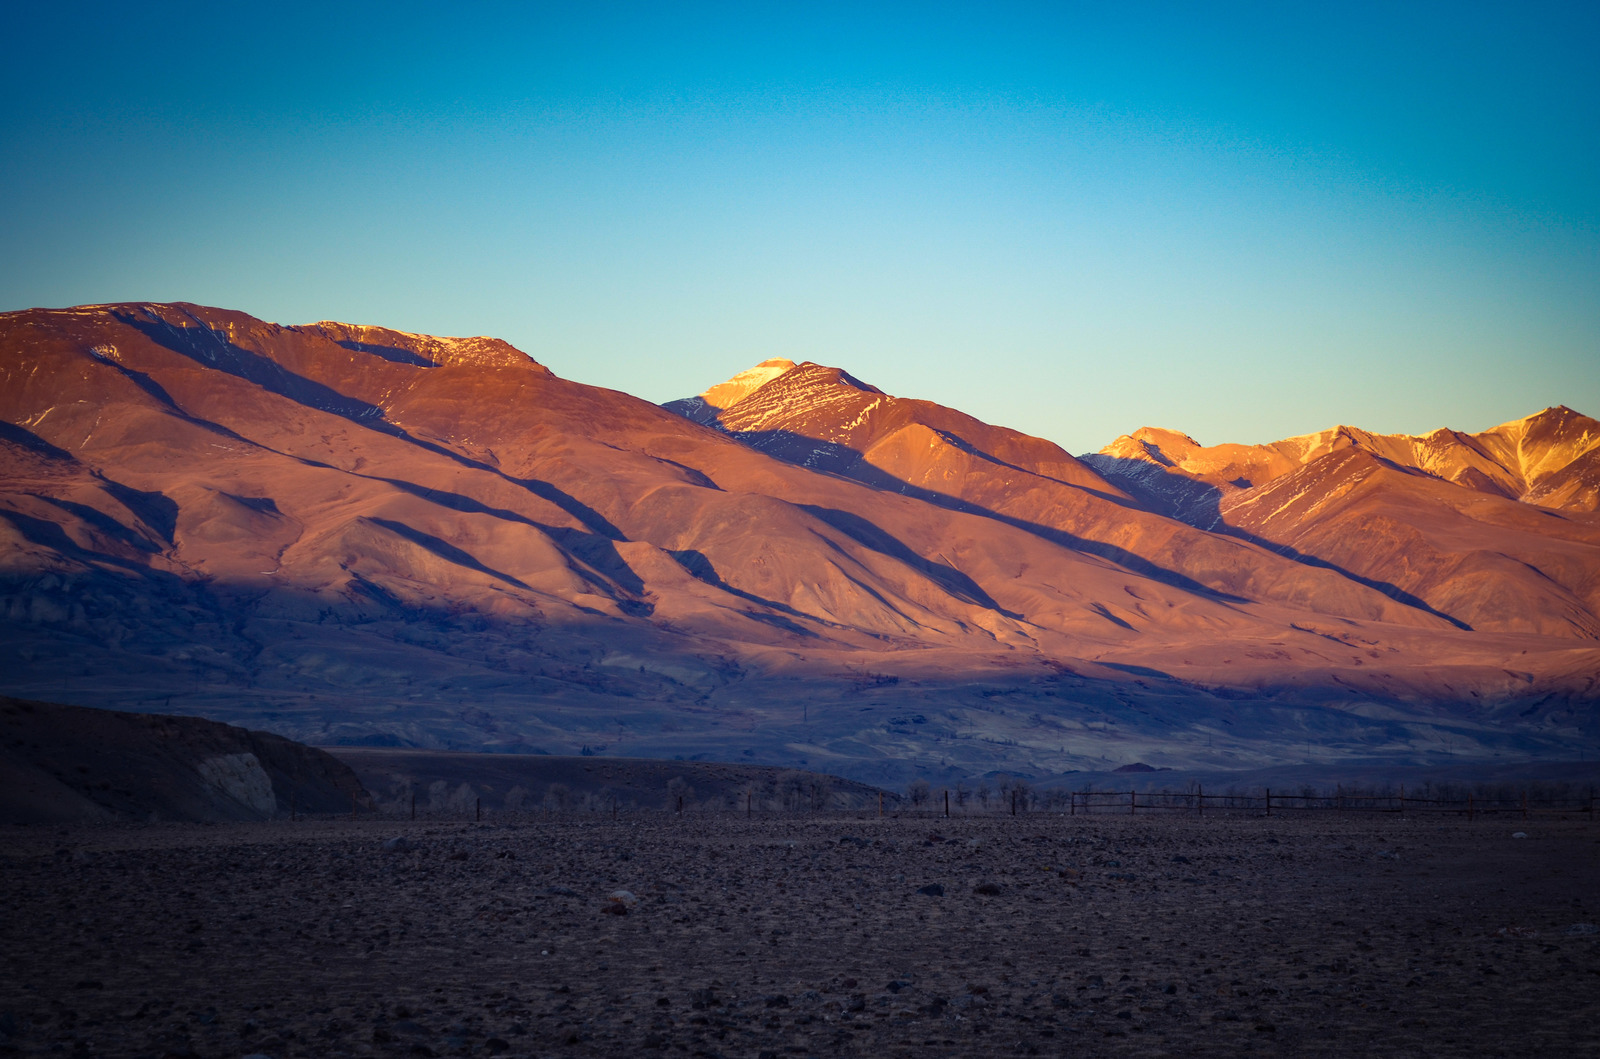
(800, 935)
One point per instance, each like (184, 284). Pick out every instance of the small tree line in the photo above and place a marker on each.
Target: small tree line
(783, 792)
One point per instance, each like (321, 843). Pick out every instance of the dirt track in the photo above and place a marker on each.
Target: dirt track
(804, 936)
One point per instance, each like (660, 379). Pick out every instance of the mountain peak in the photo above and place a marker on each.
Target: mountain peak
(727, 394)
(1153, 444)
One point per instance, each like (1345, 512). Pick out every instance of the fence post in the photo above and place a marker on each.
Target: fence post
(1524, 805)
(353, 805)
(880, 803)
(1469, 807)
(947, 805)
(1200, 800)
(1072, 803)
(413, 803)
(750, 797)
(1133, 802)
(1402, 799)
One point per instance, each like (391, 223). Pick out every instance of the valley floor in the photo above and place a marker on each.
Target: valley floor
(804, 935)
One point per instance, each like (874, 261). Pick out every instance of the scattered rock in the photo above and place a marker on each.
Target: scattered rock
(1519, 834)
(561, 891)
(624, 897)
(397, 844)
(931, 890)
(987, 889)
(1581, 930)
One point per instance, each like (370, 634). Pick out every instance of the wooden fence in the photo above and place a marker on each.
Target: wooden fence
(1267, 802)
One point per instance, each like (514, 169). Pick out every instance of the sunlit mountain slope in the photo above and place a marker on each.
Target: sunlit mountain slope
(350, 534)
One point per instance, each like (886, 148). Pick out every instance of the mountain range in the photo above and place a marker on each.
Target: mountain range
(353, 535)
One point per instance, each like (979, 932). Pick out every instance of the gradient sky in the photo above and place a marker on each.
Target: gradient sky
(1243, 221)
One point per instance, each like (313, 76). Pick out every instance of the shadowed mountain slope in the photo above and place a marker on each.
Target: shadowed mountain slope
(352, 535)
(825, 418)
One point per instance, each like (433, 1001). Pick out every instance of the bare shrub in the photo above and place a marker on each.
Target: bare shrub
(821, 793)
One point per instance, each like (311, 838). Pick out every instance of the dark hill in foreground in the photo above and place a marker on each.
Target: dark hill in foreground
(62, 764)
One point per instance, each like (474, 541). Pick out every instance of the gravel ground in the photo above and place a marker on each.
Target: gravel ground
(804, 935)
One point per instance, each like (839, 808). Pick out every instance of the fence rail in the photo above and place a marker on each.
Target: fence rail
(1268, 802)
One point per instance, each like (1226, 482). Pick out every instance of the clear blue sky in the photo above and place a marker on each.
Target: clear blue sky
(1240, 220)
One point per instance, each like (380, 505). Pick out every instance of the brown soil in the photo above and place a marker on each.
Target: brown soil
(803, 935)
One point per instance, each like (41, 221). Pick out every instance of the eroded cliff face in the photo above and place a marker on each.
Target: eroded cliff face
(351, 534)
